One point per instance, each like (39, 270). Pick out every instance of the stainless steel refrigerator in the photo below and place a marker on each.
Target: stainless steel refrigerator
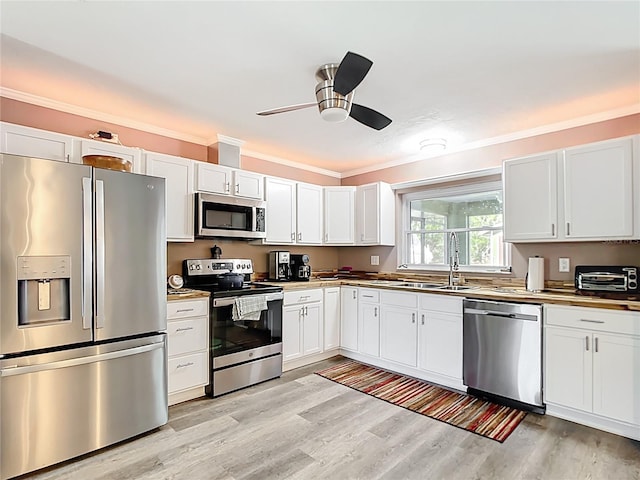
(82, 310)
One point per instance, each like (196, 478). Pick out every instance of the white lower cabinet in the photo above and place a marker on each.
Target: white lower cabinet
(349, 318)
(369, 322)
(331, 318)
(187, 348)
(440, 337)
(592, 367)
(302, 324)
(398, 327)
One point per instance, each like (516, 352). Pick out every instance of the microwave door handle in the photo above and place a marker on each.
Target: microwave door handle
(87, 252)
(100, 255)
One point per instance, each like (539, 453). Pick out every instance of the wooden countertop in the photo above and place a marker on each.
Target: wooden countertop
(192, 295)
(556, 296)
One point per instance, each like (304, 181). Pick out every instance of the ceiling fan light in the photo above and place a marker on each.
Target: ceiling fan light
(433, 145)
(334, 114)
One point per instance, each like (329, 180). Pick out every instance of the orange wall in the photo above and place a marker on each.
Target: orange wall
(494, 155)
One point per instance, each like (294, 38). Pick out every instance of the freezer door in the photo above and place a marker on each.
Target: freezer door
(130, 254)
(45, 294)
(59, 405)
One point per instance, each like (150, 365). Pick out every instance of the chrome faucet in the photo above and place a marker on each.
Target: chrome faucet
(454, 259)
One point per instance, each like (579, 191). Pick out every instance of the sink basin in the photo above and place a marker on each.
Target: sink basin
(421, 285)
(387, 282)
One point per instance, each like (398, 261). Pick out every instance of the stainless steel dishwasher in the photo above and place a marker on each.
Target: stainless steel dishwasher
(502, 352)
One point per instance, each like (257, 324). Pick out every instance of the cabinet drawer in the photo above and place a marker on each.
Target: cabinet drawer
(186, 336)
(369, 295)
(597, 319)
(188, 371)
(187, 308)
(441, 303)
(303, 296)
(400, 299)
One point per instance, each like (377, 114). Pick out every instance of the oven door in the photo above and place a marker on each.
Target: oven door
(229, 337)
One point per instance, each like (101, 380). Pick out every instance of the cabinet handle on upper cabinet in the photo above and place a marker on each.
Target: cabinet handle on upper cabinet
(362, 236)
(423, 319)
(237, 188)
(326, 237)
(293, 236)
(227, 187)
(306, 311)
(587, 340)
(354, 294)
(596, 344)
(553, 229)
(413, 318)
(300, 236)
(568, 230)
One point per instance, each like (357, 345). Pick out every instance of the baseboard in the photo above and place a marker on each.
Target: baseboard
(309, 359)
(186, 395)
(594, 421)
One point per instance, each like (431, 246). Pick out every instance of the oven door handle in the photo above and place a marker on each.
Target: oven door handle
(228, 301)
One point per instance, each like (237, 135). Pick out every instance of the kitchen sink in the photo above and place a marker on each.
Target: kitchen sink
(421, 285)
(387, 282)
(454, 288)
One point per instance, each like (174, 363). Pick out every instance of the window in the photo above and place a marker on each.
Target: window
(473, 212)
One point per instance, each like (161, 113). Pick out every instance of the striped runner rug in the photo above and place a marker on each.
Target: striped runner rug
(463, 411)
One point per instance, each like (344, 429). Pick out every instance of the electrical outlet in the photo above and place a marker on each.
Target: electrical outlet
(375, 260)
(564, 265)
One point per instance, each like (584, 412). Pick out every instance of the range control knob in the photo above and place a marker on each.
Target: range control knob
(198, 267)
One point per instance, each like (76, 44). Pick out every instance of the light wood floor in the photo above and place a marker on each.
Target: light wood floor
(302, 426)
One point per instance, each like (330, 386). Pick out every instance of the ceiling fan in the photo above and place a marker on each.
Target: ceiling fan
(334, 93)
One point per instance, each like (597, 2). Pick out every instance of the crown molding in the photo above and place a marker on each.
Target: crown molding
(551, 128)
(290, 163)
(96, 115)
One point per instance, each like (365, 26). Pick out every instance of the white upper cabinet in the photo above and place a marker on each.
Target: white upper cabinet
(531, 198)
(223, 180)
(598, 190)
(128, 154)
(339, 215)
(309, 214)
(280, 195)
(32, 142)
(375, 214)
(178, 173)
(578, 194)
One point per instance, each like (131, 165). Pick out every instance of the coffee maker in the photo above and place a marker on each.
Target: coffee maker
(300, 268)
(279, 268)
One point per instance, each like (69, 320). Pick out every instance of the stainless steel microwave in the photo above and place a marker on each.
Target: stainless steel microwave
(223, 216)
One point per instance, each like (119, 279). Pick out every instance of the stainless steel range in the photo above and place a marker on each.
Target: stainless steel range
(245, 323)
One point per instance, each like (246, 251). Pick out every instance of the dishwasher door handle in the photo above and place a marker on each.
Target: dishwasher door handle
(494, 313)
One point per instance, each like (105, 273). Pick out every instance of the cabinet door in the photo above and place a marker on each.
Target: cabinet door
(95, 147)
(309, 221)
(398, 334)
(292, 332)
(339, 215)
(616, 377)
(281, 210)
(369, 329)
(213, 178)
(312, 329)
(531, 198)
(32, 142)
(331, 318)
(367, 218)
(349, 318)
(178, 173)
(248, 184)
(568, 368)
(440, 343)
(598, 181)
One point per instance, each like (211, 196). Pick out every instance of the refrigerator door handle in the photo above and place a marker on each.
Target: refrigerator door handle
(100, 255)
(11, 371)
(87, 253)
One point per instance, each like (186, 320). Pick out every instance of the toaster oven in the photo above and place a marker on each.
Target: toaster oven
(599, 278)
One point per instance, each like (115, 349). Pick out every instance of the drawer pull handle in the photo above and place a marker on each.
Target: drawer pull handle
(183, 365)
(182, 310)
(367, 296)
(591, 321)
(183, 329)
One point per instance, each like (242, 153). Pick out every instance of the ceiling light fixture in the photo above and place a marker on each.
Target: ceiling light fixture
(433, 145)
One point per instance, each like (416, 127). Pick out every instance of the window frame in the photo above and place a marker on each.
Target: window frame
(449, 191)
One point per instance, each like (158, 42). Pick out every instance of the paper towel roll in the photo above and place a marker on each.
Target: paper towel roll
(535, 274)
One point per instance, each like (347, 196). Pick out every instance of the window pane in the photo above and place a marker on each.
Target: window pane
(425, 248)
(486, 248)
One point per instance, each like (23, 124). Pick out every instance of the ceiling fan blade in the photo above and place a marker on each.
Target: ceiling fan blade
(352, 70)
(369, 117)
(289, 108)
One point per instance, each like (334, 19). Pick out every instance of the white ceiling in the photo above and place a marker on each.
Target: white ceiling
(467, 71)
